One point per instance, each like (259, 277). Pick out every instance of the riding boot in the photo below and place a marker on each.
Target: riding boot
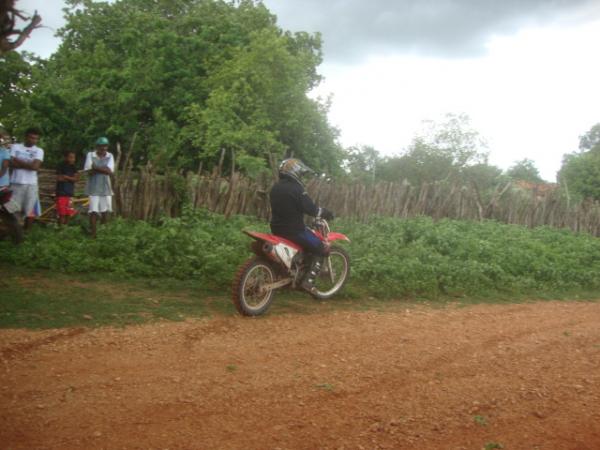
(313, 272)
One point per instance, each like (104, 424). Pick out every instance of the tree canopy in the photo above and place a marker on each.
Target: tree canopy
(580, 171)
(180, 81)
(591, 139)
(444, 150)
(525, 170)
(15, 86)
(183, 82)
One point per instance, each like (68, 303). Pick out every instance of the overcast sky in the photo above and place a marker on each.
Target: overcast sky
(526, 71)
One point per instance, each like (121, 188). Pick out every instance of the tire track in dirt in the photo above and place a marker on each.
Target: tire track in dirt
(19, 348)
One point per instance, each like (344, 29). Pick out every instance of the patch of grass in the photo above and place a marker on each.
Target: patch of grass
(480, 420)
(44, 300)
(493, 446)
(231, 368)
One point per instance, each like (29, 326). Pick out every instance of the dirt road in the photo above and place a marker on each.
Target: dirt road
(522, 376)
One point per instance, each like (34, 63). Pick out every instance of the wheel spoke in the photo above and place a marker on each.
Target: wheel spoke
(252, 290)
(335, 271)
(331, 272)
(254, 294)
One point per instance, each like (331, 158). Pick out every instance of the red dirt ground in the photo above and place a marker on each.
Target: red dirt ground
(524, 376)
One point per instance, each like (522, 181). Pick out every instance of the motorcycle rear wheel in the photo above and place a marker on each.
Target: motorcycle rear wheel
(249, 297)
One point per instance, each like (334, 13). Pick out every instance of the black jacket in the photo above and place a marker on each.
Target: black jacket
(289, 203)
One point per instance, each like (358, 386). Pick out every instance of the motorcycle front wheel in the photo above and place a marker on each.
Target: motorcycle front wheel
(334, 274)
(249, 295)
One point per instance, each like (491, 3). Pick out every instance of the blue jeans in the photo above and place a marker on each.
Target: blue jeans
(308, 241)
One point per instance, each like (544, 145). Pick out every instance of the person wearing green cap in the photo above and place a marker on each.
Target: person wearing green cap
(100, 165)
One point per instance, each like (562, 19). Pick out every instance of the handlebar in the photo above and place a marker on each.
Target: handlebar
(321, 225)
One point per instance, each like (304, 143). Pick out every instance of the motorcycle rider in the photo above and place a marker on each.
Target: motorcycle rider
(289, 203)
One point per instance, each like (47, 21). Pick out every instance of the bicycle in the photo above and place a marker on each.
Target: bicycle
(49, 214)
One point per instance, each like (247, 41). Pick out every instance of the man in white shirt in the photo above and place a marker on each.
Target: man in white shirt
(25, 161)
(100, 165)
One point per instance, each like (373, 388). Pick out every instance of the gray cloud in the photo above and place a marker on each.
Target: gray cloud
(353, 29)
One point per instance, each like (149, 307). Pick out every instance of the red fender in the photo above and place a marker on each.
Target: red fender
(337, 237)
(272, 239)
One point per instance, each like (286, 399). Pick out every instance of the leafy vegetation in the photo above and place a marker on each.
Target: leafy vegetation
(136, 271)
(442, 151)
(426, 258)
(450, 150)
(233, 88)
(200, 246)
(580, 171)
(525, 170)
(493, 445)
(228, 77)
(392, 258)
(480, 420)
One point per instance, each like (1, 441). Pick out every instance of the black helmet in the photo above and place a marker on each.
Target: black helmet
(294, 168)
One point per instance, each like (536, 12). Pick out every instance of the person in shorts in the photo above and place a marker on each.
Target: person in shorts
(99, 165)
(66, 177)
(26, 160)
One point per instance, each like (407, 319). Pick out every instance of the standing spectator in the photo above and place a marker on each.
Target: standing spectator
(100, 165)
(4, 159)
(26, 159)
(66, 176)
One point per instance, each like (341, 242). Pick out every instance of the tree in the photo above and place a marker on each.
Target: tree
(580, 171)
(258, 105)
(187, 78)
(486, 177)
(525, 170)
(456, 138)
(442, 152)
(363, 163)
(15, 87)
(11, 37)
(591, 139)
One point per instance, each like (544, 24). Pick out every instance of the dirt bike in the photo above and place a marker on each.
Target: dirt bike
(280, 263)
(9, 223)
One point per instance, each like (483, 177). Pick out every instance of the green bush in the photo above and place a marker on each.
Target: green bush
(421, 257)
(390, 257)
(199, 245)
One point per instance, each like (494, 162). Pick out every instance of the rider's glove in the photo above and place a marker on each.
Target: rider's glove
(326, 214)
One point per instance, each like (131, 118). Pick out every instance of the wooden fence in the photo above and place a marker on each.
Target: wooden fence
(145, 194)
